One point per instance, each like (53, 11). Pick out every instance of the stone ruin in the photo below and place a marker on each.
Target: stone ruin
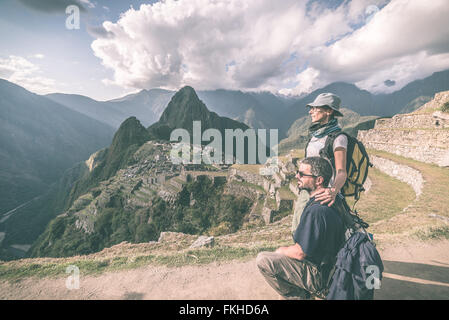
(422, 135)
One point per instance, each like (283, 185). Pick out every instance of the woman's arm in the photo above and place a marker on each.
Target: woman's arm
(340, 168)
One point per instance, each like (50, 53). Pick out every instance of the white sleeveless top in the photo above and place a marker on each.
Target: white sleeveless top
(316, 144)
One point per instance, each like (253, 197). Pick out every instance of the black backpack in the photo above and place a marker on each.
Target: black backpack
(357, 163)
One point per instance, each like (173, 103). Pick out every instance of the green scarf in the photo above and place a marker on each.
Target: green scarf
(319, 130)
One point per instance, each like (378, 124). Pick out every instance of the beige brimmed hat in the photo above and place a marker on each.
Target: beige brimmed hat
(327, 99)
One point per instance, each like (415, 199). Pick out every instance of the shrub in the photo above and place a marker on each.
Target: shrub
(145, 233)
(224, 227)
(445, 107)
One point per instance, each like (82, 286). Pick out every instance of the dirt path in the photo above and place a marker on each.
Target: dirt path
(414, 271)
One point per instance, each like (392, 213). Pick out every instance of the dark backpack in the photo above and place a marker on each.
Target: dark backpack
(358, 263)
(357, 163)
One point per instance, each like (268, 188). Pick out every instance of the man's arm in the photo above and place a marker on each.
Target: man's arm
(294, 252)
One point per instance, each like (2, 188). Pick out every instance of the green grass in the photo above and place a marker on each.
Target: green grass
(249, 185)
(141, 196)
(259, 206)
(426, 110)
(286, 194)
(11, 272)
(271, 203)
(296, 153)
(251, 168)
(385, 199)
(432, 200)
(433, 233)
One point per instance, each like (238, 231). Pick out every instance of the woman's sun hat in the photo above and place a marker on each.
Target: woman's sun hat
(327, 99)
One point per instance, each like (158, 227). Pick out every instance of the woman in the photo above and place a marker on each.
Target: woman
(323, 112)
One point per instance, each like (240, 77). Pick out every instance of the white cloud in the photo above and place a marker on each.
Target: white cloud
(262, 44)
(401, 42)
(26, 74)
(38, 56)
(87, 3)
(172, 43)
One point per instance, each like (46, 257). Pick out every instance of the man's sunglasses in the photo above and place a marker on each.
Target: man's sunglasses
(302, 174)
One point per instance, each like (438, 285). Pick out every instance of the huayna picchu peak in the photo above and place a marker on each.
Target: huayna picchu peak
(184, 108)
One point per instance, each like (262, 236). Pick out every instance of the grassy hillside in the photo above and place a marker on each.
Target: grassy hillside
(115, 222)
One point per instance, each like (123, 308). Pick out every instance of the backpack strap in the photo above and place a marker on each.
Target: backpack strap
(328, 150)
(307, 145)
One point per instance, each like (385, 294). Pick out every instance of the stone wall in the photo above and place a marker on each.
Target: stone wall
(429, 146)
(240, 190)
(422, 135)
(247, 176)
(401, 172)
(437, 120)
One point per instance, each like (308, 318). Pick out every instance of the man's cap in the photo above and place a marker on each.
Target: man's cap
(327, 99)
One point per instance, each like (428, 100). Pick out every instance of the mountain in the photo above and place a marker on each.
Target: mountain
(250, 119)
(97, 110)
(262, 110)
(353, 98)
(29, 221)
(39, 140)
(132, 192)
(415, 104)
(258, 110)
(407, 99)
(128, 138)
(184, 108)
(395, 102)
(105, 163)
(103, 206)
(146, 105)
(255, 109)
(298, 133)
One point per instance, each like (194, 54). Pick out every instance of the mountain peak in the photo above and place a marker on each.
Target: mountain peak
(184, 107)
(185, 94)
(131, 132)
(188, 90)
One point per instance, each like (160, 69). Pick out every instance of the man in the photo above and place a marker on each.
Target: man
(300, 270)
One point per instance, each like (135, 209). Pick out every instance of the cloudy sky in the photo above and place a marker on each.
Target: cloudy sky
(288, 46)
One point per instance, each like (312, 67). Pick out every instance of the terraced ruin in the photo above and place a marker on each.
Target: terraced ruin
(422, 135)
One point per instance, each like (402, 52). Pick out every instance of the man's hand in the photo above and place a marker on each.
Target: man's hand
(281, 250)
(294, 252)
(327, 195)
